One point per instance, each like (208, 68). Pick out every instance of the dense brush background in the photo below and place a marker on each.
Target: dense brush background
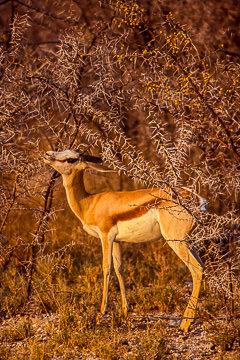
(153, 88)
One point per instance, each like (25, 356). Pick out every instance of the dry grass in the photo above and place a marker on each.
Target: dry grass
(60, 320)
(135, 89)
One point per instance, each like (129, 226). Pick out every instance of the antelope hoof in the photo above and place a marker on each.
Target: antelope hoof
(185, 324)
(102, 318)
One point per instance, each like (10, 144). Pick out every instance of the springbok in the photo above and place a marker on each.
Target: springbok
(131, 216)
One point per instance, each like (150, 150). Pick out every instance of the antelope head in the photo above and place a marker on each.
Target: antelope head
(65, 162)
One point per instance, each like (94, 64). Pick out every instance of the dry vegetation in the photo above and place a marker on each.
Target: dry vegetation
(128, 82)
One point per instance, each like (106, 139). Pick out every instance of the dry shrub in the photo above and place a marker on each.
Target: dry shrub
(155, 108)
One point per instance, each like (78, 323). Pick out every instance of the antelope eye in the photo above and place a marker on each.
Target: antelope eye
(71, 160)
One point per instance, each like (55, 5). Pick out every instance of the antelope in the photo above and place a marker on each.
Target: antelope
(128, 216)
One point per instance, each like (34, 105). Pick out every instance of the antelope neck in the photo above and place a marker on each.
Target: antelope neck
(75, 191)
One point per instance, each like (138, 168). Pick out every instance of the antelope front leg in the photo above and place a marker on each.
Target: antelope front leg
(106, 264)
(118, 267)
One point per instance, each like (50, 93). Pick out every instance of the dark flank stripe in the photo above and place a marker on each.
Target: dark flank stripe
(140, 210)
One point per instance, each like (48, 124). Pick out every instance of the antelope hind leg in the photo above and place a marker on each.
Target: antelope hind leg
(195, 266)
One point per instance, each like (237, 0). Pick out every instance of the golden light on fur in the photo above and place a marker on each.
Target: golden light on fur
(131, 216)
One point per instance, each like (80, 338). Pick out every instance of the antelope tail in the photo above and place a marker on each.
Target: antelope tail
(203, 201)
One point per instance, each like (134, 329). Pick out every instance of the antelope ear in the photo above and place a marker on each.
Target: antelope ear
(98, 167)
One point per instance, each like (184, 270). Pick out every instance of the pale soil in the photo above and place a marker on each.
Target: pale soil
(196, 345)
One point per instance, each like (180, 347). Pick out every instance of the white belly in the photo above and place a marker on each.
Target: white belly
(142, 229)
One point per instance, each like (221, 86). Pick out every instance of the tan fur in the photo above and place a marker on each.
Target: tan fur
(135, 216)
